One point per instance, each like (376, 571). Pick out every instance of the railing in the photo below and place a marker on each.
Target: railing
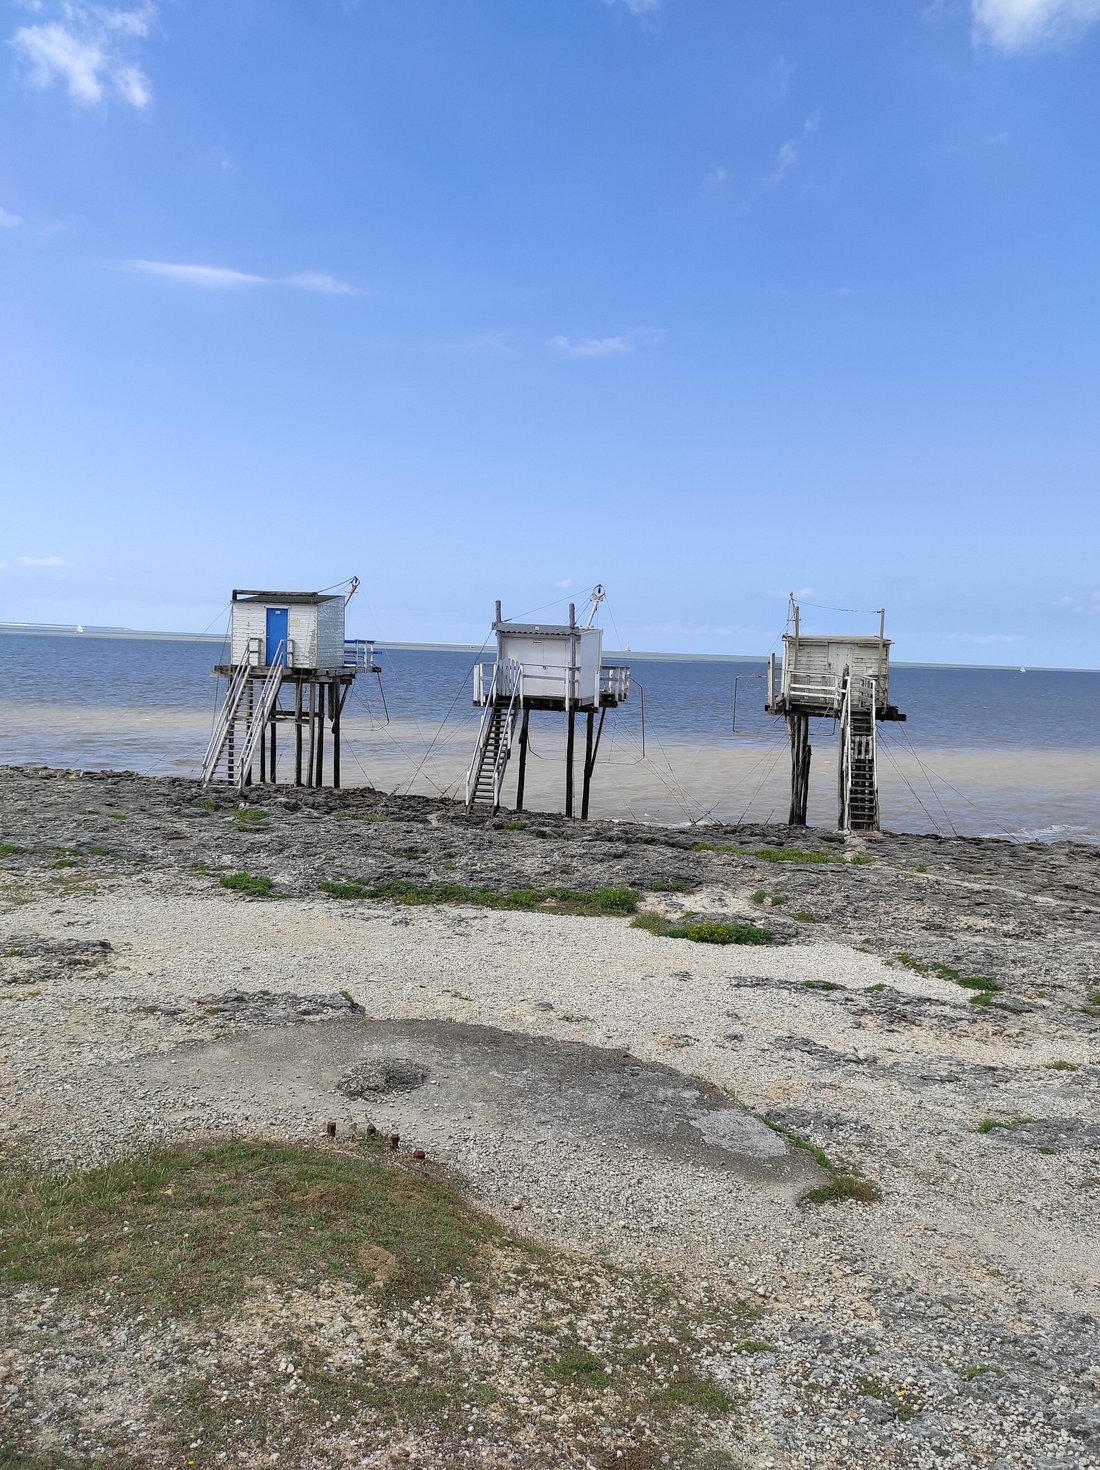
(358, 653)
(506, 679)
(269, 693)
(218, 735)
(824, 689)
(615, 681)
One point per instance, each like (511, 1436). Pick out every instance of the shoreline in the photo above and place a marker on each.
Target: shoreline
(857, 1030)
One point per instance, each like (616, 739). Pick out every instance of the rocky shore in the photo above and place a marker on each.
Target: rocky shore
(876, 1131)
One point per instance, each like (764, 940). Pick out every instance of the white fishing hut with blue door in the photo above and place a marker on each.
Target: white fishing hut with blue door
(553, 667)
(290, 663)
(845, 678)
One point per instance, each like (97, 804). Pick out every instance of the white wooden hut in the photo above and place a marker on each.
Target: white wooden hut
(542, 666)
(300, 630)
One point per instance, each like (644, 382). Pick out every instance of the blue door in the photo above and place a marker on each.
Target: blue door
(276, 634)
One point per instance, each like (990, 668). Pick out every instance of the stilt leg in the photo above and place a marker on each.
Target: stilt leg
(522, 760)
(588, 763)
(570, 737)
(336, 705)
(311, 754)
(799, 727)
(297, 732)
(320, 777)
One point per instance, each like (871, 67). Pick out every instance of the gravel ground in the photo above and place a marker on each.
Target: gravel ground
(953, 1323)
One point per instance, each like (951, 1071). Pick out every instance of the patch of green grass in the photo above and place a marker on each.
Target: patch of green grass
(10, 849)
(758, 897)
(250, 819)
(515, 826)
(65, 863)
(578, 1365)
(257, 885)
(893, 1397)
(117, 816)
(804, 916)
(821, 985)
(208, 804)
(986, 989)
(920, 868)
(1062, 1066)
(183, 1229)
(875, 989)
(987, 1125)
(701, 931)
(976, 1370)
(670, 885)
(772, 854)
(687, 1390)
(753, 1345)
(359, 816)
(842, 1185)
(198, 1232)
(607, 900)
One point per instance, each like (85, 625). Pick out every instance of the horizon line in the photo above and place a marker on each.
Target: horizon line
(70, 630)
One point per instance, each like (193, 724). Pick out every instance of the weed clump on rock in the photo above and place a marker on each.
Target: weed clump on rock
(256, 885)
(599, 901)
(702, 931)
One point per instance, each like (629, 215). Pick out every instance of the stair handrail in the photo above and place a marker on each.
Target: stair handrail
(474, 769)
(874, 744)
(846, 778)
(221, 728)
(268, 694)
(514, 671)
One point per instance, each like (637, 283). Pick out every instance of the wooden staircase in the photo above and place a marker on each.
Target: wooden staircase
(257, 721)
(862, 799)
(490, 759)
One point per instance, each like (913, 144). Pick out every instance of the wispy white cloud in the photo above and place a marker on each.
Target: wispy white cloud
(34, 561)
(10, 221)
(222, 278)
(87, 49)
(638, 7)
(715, 178)
(785, 160)
(1016, 25)
(564, 585)
(620, 346)
(791, 151)
(315, 281)
(1081, 602)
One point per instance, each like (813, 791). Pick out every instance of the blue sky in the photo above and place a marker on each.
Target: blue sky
(706, 301)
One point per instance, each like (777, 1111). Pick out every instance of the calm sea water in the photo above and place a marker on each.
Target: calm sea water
(982, 751)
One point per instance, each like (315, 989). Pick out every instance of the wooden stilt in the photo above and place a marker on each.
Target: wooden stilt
(230, 745)
(799, 727)
(337, 705)
(522, 760)
(297, 732)
(251, 713)
(272, 758)
(570, 738)
(586, 785)
(311, 753)
(319, 779)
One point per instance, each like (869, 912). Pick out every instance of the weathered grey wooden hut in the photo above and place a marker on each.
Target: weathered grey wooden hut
(841, 677)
